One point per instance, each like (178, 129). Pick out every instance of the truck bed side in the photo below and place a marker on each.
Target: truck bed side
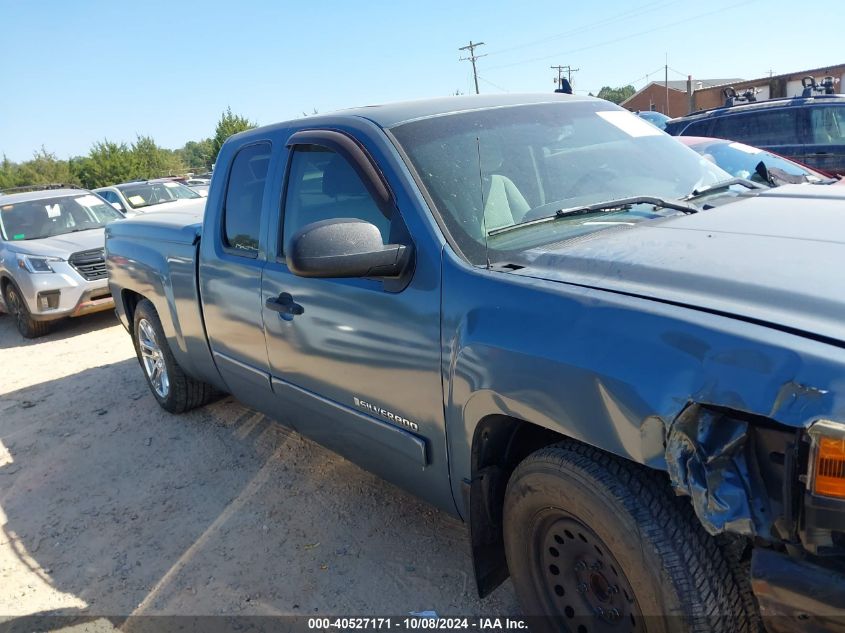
(154, 256)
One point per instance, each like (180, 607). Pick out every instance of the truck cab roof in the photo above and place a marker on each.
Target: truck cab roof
(392, 114)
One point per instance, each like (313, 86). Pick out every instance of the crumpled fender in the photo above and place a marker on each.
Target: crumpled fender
(709, 458)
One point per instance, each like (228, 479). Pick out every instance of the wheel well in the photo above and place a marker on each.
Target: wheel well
(130, 300)
(499, 444)
(5, 282)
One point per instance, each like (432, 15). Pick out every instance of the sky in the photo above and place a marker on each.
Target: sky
(73, 73)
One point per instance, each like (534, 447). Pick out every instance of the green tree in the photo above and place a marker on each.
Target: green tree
(616, 95)
(196, 155)
(151, 161)
(228, 124)
(43, 168)
(106, 164)
(8, 173)
(75, 165)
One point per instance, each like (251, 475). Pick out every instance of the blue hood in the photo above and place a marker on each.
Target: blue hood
(778, 257)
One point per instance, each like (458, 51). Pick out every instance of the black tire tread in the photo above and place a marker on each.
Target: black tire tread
(27, 326)
(714, 596)
(186, 393)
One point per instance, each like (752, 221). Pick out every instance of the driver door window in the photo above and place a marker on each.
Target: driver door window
(323, 185)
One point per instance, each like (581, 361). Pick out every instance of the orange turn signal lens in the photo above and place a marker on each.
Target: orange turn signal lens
(827, 459)
(829, 475)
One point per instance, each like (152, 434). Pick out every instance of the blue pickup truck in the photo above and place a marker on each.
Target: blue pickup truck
(624, 369)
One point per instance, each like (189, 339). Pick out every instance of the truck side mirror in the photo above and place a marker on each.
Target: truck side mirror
(344, 248)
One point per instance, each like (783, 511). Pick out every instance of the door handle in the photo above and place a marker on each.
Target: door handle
(284, 305)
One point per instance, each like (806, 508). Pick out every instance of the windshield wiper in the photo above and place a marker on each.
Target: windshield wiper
(625, 203)
(725, 184)
(609, 206)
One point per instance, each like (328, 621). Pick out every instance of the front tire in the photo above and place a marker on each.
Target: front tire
(174, 390)
(603, 545)
(27, 326)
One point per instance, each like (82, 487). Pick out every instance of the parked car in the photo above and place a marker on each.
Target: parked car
(744, 161)
(657, 119)
(150, 195)
(201, 189)
(52, 263)
(620, 365)
(809, 130)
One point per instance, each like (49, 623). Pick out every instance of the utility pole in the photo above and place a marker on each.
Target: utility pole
(560, 80)
(472, 57)
(666, 84)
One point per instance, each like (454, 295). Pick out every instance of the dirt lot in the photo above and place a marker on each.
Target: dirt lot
(111, 506)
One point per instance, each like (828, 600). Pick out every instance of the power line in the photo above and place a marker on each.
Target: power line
(623, 38)
(625, 15)
(497, 86)
(646, 76)
(472, 57)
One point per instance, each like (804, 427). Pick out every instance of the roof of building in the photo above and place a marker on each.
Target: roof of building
(816, 72)
(681, 85)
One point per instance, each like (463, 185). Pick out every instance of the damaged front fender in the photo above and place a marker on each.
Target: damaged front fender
(734, 469)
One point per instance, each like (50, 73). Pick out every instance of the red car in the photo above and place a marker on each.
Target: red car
(742, 161)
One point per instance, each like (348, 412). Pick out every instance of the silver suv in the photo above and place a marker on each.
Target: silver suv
(52, 262)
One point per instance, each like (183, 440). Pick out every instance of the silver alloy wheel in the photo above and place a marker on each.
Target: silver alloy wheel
(153, 359)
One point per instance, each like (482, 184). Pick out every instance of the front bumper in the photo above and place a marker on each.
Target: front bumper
(797, 596)
(63, 293)
(91, 301)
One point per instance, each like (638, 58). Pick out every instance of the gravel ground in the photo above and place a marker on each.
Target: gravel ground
(110, 506)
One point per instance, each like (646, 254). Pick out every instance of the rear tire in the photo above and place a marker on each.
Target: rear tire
(27, 326)
(604, 545)
(174, 390)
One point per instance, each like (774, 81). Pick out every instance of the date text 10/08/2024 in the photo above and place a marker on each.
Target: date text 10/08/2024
(417, 623)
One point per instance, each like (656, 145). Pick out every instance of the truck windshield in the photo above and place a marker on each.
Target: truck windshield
(37, 219)
(147, 194)
(500, 167)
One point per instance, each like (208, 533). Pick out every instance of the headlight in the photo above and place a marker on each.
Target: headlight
(37, 264)
(827, 457)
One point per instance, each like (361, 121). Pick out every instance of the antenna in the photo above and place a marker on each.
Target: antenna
(483, 215)
(563, 84)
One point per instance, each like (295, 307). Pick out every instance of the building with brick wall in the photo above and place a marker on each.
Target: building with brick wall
(670, 98)
(708, 93)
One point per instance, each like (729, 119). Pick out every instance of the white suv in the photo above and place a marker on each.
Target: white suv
(143, 196)
(52, 262)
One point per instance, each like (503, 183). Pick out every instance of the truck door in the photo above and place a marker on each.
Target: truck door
(355, 363)
(230, 275)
